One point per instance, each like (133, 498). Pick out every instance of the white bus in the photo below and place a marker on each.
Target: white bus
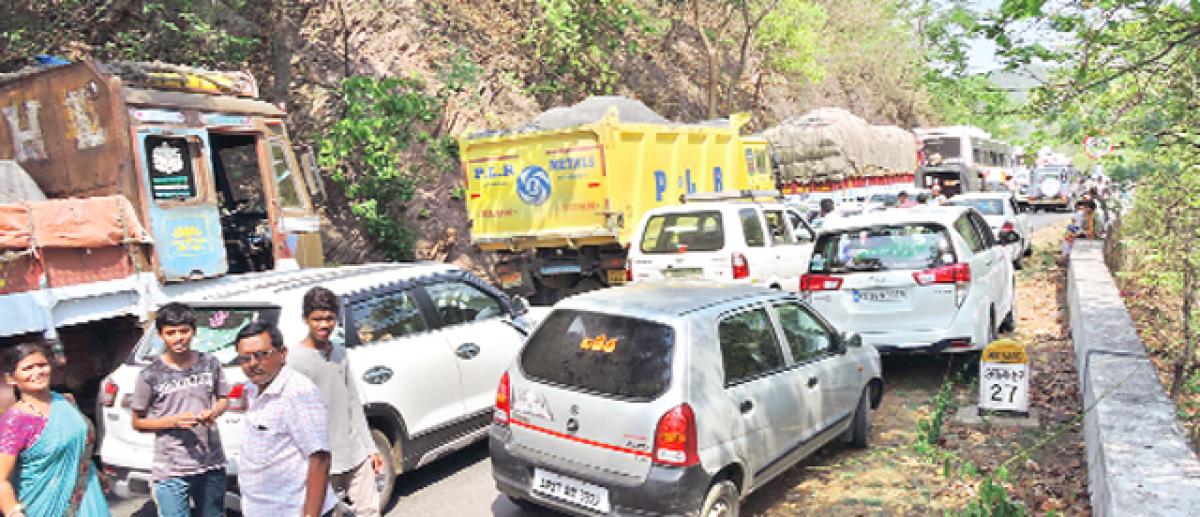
(963, 159)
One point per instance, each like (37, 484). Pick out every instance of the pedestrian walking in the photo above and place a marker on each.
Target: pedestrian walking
(283, 468)
(179, 397)
(47, 441)
(355, 461)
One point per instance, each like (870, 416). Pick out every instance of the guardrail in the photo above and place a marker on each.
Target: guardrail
(1139, 461)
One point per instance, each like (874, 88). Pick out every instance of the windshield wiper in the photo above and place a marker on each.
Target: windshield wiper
(865, 267)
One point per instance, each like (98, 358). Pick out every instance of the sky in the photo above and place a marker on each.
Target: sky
(982, 55)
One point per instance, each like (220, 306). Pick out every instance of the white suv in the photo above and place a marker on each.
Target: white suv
(766, 244)
(426, 341)
(930, 279)
(670, 399)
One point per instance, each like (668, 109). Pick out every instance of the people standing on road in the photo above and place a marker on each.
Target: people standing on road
(283, 468)
(47, 441)
(922, 198)
(179, 397)
(936, 196)
(356, 462)
(903, 201)
(1093, 224)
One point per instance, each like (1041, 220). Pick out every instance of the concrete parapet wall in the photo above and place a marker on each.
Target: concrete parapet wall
(1139, 461)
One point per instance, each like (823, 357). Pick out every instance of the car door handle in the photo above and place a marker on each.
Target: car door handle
(746, 406)
(467, 350)
(812, 381)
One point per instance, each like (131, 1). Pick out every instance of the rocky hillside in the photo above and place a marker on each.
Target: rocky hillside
(688, 60)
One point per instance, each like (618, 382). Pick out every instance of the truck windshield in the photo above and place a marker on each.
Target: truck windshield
(216, 328)
(601, 353)
(882, 248)
(674, 233)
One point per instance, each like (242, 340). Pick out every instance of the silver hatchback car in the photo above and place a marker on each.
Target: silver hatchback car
(674, 399)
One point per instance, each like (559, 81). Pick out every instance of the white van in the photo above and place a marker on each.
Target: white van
(766, 244)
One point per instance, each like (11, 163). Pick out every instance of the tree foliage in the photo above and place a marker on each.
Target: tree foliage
(1128, 69)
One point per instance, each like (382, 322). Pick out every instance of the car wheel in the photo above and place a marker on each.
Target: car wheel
(1028, 250)
(387, 480)
(721, 500)
(860, 429)
(991, 333)
(1017, 263)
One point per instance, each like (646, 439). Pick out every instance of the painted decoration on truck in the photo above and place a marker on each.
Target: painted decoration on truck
(171, 175)
(84, 122)
(27, 143)
(533, 185)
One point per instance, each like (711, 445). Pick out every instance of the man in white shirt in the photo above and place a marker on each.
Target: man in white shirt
(283, 469)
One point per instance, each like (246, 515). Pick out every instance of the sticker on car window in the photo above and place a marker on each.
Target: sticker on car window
(601, 343)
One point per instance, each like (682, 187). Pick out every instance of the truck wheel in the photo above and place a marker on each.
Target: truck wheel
(721, 500)
(386, 481)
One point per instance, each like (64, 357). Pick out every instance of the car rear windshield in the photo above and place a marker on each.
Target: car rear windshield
(600, 353)
(216, 329)
(985, 206)
(882, 248)
(693, 231)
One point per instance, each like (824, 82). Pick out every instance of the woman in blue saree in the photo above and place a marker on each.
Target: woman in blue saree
(47, 442)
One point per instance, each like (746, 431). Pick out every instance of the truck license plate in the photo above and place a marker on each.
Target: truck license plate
(571, 490)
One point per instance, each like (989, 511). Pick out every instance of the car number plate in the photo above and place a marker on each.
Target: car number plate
(882, 295)
(683, 272)
(616, 276)
(571, 490)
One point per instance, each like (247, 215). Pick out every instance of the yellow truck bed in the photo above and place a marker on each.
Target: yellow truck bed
(590, 185)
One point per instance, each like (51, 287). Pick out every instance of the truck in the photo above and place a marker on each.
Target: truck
(559, 207)
(135, 177)
(832, 153)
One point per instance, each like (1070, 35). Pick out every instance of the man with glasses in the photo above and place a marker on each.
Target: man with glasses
(283, 469)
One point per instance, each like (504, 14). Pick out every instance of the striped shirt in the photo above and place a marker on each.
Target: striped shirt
(284, 425)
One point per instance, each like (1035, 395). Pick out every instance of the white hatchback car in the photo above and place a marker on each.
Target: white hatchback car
(672, 399)
(759, 243)
(931, 279)
(426, 341)
(1003, 215)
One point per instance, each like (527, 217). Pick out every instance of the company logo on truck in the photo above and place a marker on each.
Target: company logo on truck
(533, 185)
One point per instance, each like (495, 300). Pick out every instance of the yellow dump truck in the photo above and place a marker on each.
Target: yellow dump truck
(561, 206)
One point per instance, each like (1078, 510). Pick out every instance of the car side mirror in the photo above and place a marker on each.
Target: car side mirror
(520, 305)
(1009, 237)
(851, 340)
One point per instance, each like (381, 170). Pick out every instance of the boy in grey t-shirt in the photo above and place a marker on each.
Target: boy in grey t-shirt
(178, 397)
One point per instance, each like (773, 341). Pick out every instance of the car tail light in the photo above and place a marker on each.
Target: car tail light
(237, 397)
(957, 274)
(108, 396)
(741, 267)
(811, 282)
(675, 438)
(629, 272)
(960, 343)
(1007, 227)
(503, 402)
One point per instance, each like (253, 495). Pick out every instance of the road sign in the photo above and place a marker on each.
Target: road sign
(1004, 378)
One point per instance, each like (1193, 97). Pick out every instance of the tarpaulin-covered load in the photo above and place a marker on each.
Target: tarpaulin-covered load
(832, 144)
(69, 241)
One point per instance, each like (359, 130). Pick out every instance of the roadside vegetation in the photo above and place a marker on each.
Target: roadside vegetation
(1130, 75)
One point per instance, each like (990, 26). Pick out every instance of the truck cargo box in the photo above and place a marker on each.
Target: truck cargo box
(591, 184)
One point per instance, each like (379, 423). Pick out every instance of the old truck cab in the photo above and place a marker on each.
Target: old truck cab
(208, 167)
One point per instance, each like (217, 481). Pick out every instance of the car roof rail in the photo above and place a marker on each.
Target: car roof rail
(734, 195)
